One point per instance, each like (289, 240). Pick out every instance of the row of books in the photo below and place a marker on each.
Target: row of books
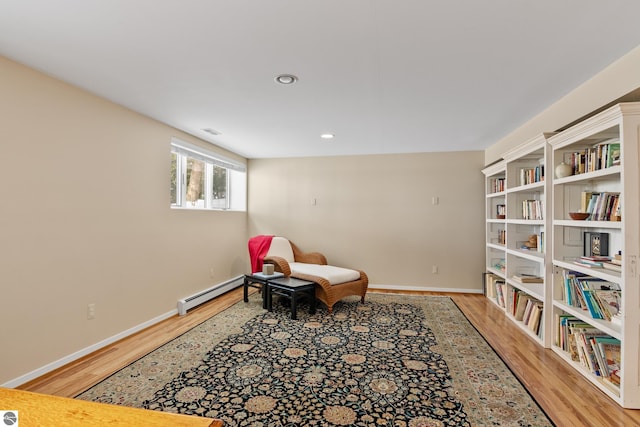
(606, 262)
(490, 285)
(600, 156)
(596, 351)
(497, 185)
(600, 298)
(601, 206)
(531, 175)
(526, 309)
(532, 209)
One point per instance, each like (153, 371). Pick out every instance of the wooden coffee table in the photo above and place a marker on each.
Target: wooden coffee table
(293, 289)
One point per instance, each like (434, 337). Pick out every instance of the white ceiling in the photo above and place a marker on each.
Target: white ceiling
(386, 76)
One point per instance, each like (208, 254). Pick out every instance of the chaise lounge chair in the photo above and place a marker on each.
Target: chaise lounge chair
(334, 283)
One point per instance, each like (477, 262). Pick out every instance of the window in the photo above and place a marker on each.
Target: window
(201, 179)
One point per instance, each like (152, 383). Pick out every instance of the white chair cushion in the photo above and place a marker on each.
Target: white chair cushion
(282, 248)
(335, 275)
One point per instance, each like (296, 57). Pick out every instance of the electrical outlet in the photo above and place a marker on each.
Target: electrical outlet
(434, 269)
(91, 311)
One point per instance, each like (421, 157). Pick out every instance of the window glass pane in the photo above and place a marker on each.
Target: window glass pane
(200, 180)
(195, 184)
(174, 179)
(219, 188)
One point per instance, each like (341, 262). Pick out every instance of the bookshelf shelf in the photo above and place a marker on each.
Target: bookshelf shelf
(527, 187)
(603, 325)
(587, 176)
(600, 273)
(588, 224)
(536, 290)
(527, 254)
(526, 221)
(603, 151)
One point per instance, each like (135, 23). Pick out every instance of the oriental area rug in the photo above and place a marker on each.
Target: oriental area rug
(394, 361)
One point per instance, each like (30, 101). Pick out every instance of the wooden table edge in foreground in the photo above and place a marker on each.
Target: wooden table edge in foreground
(35, 409)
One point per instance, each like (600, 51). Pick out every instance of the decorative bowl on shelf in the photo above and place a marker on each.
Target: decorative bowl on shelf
(580, 216)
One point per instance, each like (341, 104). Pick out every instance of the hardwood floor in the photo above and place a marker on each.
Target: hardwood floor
(563, 394)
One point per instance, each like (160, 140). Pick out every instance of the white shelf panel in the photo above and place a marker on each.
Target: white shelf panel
(499, 273)
(603, 325)
(530, 255)
(535, 186)
(615, 225)
(524, 327)
(497, 246)
(589, 176)
(526, 221)
(496, 221)
(492, 195)
(601, 273)
(536, 290)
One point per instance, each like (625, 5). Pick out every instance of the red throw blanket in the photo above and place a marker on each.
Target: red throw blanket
(258, 248)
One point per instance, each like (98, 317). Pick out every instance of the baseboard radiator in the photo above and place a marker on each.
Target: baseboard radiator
(208, 294)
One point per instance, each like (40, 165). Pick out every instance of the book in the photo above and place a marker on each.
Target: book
(609, 302)
(614, 154)
(534, 319)
(585, 198)
(268, 276)
(609, 349)
(523, 300)
(588, 264)
(595, 258)
(527, 278)
(612, 266)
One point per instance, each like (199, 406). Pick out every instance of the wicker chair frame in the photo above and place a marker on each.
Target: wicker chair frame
(326, 292)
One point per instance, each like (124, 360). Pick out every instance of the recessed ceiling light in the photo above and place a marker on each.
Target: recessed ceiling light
(286, 79)
(327, 136)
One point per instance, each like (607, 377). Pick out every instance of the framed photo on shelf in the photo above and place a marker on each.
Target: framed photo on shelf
(596, 244)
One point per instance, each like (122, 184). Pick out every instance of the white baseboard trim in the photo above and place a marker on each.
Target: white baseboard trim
(85, 351)
(423, 288)
(97, 346)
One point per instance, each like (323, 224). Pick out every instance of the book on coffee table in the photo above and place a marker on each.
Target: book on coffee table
(261, 275)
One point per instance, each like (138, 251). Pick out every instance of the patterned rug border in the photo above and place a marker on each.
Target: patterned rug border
(142, 378)
(504, 362)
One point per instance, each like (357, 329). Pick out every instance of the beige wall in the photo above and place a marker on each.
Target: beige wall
(375, 213)
(85, 218)
(620, 81)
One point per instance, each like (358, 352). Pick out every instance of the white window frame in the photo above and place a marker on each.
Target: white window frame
(236, 186)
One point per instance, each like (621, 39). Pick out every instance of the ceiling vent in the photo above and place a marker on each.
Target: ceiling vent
(212, 131)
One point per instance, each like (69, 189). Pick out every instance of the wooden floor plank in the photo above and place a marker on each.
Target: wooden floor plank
(566, 397)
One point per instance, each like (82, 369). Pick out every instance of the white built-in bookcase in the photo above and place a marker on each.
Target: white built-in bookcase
(619, 123)
(564, 238)
(523, 171)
